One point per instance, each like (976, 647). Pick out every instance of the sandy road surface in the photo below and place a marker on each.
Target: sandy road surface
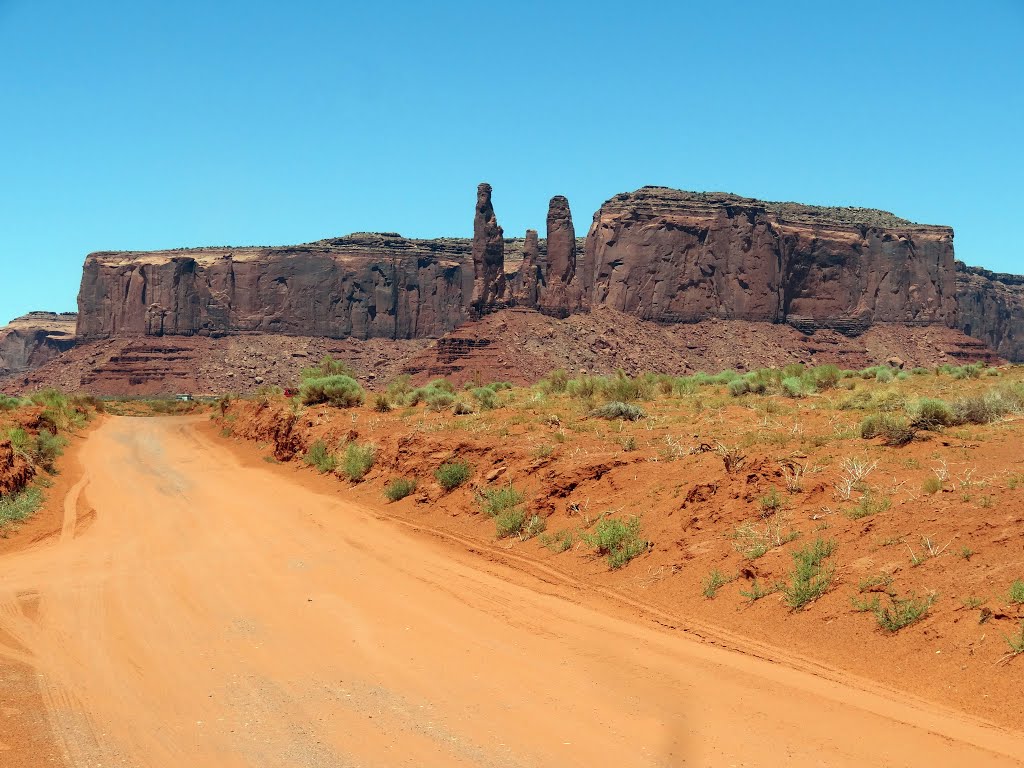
(213, 614)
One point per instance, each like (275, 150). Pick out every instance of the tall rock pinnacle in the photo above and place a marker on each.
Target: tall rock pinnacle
(488, 254)
(561, 242)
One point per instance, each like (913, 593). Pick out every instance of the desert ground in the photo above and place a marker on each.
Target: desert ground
(815, 568)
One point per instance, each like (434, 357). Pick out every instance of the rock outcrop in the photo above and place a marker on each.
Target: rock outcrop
(657, 254)
(990, 307)
(36, 338)
(676, 256)
(488, 256)
(363, 285)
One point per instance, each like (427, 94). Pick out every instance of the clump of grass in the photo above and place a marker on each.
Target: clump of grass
(869, 505)
(485, 397)
(558, 542)
(754, 542)
(15, 508)
(535, 526)
(1017, 591)
(320, 456)
(1016, 643)
(382, 403)
(619, 410)
(810, 578)
(619, 540)
(8, 403)
(895, 431)
(510, 522)
(358, 460)
(714, 582)
(328, 366)
(339, 391)
(399, 488)
(903, 611)
(932, 484)
(758, 590)
(929, 413)
(494, 501)
(771, 502)
(453, 474)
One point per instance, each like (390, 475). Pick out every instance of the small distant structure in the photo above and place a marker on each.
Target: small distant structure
(184, 397)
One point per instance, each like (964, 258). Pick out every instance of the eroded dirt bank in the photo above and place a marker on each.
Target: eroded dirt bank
(216, 613)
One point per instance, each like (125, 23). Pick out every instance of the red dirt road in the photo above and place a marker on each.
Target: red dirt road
(216, 614)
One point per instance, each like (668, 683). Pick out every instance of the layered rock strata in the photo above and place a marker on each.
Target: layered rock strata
(990, 307)
(34, 339)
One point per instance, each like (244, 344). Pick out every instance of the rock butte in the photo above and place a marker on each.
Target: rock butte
(659, 254)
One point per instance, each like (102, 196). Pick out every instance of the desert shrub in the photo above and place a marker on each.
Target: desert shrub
(919, 371)
(535, 526)
(555, 382)
(399, 388)
(583, 387)
(319, 455)
(14, 508)
(21, 441)
(621, 388)
(59, 411)
(893, 430)
(485, 398)
(619, 410)
(48, 448)
(884, 374)
(439, 399)
(739, 387)
(559, 542)
(771, 502)
(793, 386)
(970, 371)
(399, 488)
(494, 501)
(381, 403)
(327, 368)
(441, 385)
(826, 377)
(8, 403)
(758, 590)
(810, 578)
(929, 413)
(932, 484)
(453, 474)
(510, 522)
(358, 460)
(339, 391)
(618, 540)
(902, 612)
(462, 408)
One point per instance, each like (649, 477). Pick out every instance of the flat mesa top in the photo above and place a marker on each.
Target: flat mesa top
(664, 199)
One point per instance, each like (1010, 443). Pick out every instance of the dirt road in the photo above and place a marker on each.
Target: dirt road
(215, 614)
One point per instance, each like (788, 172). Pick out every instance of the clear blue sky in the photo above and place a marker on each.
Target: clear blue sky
(135, 124)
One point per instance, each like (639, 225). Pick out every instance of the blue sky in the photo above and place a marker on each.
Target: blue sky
(138, 124)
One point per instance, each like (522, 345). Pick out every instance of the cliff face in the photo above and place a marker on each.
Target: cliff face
(991, 308)
(680, 256)
(658, 254)
(34, 339)
(364, 285)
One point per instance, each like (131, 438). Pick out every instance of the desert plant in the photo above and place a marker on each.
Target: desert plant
(1017, 591)
(328, 367)
(618, 540)
(619, 410)
(739, 387)
(714, 582)
(931, 485)
(510, 522)
(319, 455)
(559, 542)
(771, 502)
(339, 391)
(485, 398)
(810, 578)
(382, 403)
(754, 542)
(929, 413)
(462, 408)
(1016, 643)
(758, 590)
(358, 460)
(793, 386)
(399, 488)
(453, 474)
(868, 505)
(893, 430)
(8, 403)
(494, 501)
(438, 399)
(903, 611)
(14, 508)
